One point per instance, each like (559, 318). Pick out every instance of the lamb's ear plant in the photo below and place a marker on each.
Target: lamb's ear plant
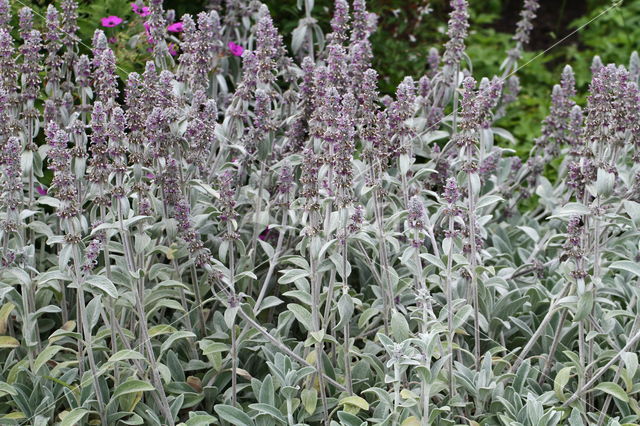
(239, 236)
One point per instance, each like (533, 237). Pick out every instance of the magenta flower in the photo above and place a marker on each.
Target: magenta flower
(140, 10)
(41, 190)
(175, 28)
(111, 21)
(236, 49)
(112, 40)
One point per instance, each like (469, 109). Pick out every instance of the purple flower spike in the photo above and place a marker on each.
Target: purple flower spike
(111, 21)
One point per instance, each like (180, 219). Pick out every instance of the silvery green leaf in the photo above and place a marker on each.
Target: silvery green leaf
(94, 309)
(633, 210)
(400, 327)
(604, 182)
(488, 200)
(301, 314)
(230, 315)
(345, 309)
(174, 337)
(291, 275)
(571, 209)
(103, 283)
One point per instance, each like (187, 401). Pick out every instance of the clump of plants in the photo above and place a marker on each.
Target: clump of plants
(249, 234)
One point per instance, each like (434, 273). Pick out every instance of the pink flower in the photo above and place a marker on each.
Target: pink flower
(150, 175)
(41, 190)
(235, 49)
(140, 10)
(111, 21)
(175, 28)
(112, 40)
(147, 27)
(172, 49)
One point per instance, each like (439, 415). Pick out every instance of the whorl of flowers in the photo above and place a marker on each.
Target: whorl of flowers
(344, 146)
(433, 61)
(105, 77)
(416, 217)
(613, 108)
(52, 32)
(299, 128)
(309, 178)
(400, 110)
(226, 183)
(596, 65)
(98, 45)
(25, 22)
(357, 220)
(580, 173)
(64, 182)
(31, 64)
(364, 23)
(200, 133)
(201, 47)
(8, 69)
(150, 86)
(69, 26)
(91, 255)
(285, 183)
(116, 147)
(634, 67)
(197, 249)
(337, 66)
(451, 191)
(262, 119)
(524, 27)
(158, 133)
(158, 30)
(360, 56)
(170, 179)
(573, 244)
(5, 14)
(574, 130)
(53, 44)
(457, 32)
(339, 23)
(11, 186)
(476, 107)
(100, 158)
(555, 125)
(135, 113)
(269, 47)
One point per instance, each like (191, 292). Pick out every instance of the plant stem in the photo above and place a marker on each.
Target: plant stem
(584, 388)
(543, 324)
(449, 300)
(87, 335)
(272, 264)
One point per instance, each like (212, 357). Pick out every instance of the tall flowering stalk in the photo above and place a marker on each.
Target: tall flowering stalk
(68, 212)
(522, 35)
(475, 115)
(454, 51)
(228, 217)
(451, 195)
